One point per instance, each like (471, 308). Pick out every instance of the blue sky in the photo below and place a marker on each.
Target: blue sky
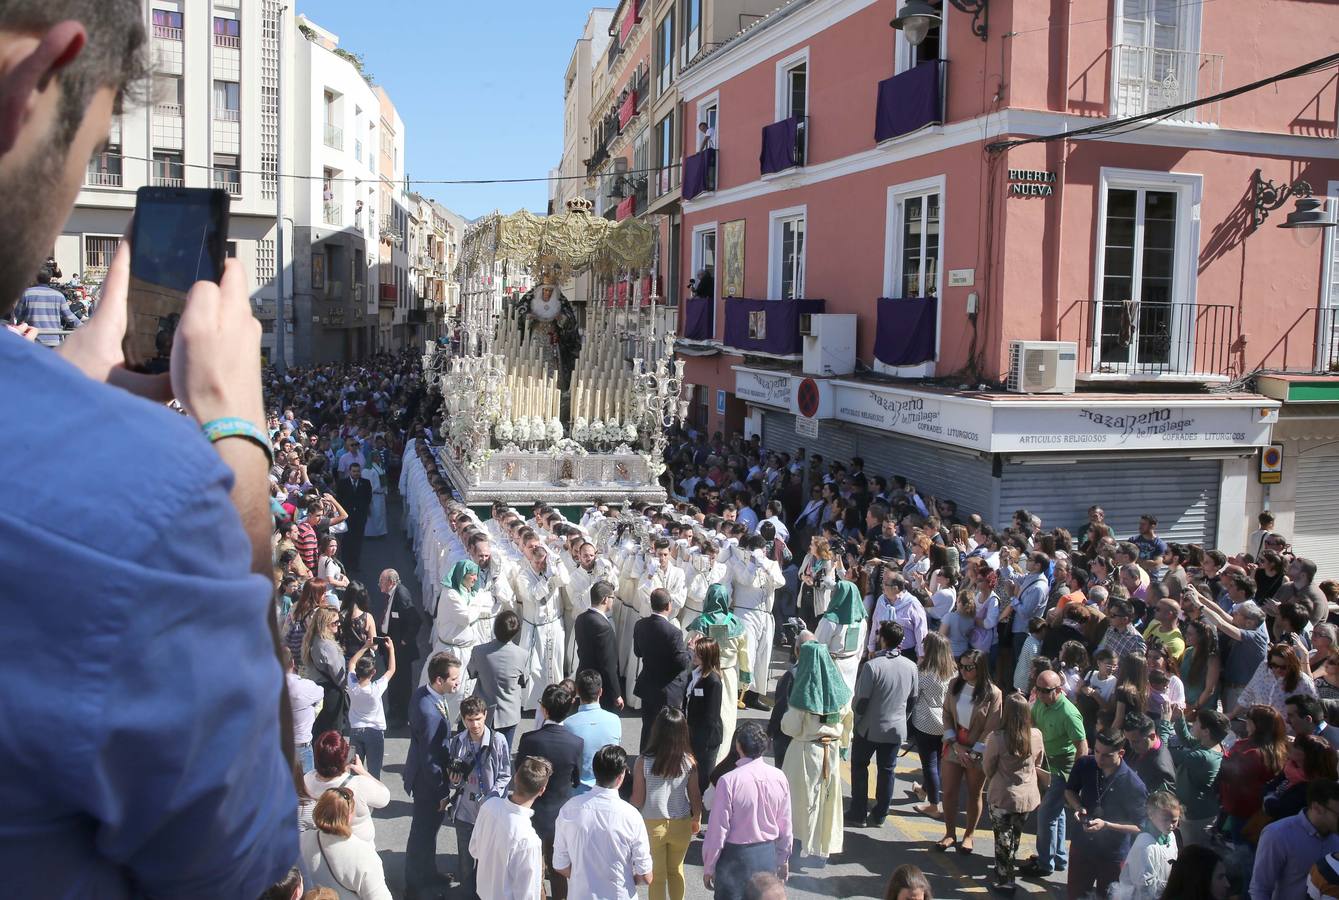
(479, 86)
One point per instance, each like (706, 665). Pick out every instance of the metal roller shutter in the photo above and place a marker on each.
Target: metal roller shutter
(936, 469)
(1182, 493)
(1314, 533)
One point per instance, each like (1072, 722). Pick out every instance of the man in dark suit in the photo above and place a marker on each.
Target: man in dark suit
(562, 749)
(597, 646)
(355, 495)
(398, 618)
(665, 661)
(425, 775)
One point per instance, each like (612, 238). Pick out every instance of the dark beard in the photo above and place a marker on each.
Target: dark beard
(32, 219)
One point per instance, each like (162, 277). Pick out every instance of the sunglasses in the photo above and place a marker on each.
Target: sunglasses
(967, 667)
(1048, 691)
(1277, 666)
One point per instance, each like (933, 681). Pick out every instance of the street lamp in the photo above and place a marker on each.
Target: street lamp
(917, 17)
(1308, 216)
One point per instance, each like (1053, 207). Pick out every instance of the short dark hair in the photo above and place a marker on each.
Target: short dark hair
(660, 600)
(1150, 518)
(1307, 706)
(1111, 739)
(1138, 722)
(1214, 722)
(589, 685)
(1322, 791)
(891, 633)
(557, 702)
(610, 762)
(507, 625)
(473, 706)
(751, 738)
(600, 591)
(441, 664)
(284, 888)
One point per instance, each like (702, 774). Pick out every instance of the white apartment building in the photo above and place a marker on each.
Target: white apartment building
(211, 120)
(396, 290)
(337, 201)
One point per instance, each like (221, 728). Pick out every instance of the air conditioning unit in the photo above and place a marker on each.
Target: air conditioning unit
(1042, 367)
(829, 343)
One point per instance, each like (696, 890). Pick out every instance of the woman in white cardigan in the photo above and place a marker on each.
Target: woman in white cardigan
(819, 572)
(337, 858)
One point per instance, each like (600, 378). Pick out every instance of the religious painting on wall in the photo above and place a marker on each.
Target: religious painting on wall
(318, 271)
(732, 238)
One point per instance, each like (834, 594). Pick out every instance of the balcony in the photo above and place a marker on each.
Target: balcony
(104, 170)
(1122, 340)
(172, 181)
(766, 327)
(389, 293)
(627, 110)
(784, 145)
(333, 214)
(334, 137)
(227, 41)
(229, 180)
(167, 33)
(910, 101)
(699, 319)
(223, 114)
(1147, 79)
(699, 173)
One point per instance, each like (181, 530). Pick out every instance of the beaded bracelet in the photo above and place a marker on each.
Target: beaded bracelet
(218, 429)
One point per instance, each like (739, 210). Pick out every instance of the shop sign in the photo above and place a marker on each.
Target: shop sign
(807, 428)
(768, 388)
(1222, 424)
(963, 423)
(1031, 183)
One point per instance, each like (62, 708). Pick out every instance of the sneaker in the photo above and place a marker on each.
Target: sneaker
(1034, 869)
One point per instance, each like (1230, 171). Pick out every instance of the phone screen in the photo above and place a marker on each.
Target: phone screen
(178, 238)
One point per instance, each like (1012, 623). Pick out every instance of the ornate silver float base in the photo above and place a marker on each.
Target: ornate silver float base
(524, 477)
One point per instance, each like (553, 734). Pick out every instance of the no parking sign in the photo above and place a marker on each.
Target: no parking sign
(1271, 464)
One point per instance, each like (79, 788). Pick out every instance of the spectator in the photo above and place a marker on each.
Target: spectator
(335, 768)
(1198, 756)
(324, 661)
(750, 828)
(1063, 739)
(934, 670)
(970, 716)
(1306, 715)
(885, 693)
(1149, 863)
(898, 605)
(336, 856)
(706, 697)
(304, 698)
(1288, 848)
(1250, 765)
(560, 750)
(1012, 765)
(665, 787)
(1201, 666)
(1198, 873)
(1310, 758)
(960, 623)
(504, 844)
(500, 670)
(907, 883)
(1280, 677)
(1108, 799)
(367, 717)
(479, 768)
(1248, 643)
(819, 572)
(1164, 628)
(597, 727)
(287, 888)
(1023, 674)
(43, 307)
(1147, 754)
(601, 844)
(328, 565)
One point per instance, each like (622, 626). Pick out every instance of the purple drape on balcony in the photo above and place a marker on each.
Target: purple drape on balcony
(697, 173)
(778, 145)
(908, 101)
(782, 324)
(697, 319)
(905, 335)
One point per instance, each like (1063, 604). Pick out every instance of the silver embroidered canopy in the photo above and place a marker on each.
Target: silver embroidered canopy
(567, 244)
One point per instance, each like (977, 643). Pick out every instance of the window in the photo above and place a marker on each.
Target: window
(918, 241)
(168, 170)
(1144, 317)
(665, 168)
(227, 101)
(796, 85)
(227, 174)
(167, 24)
(168, 95)
(704, 259)
(641, 162)
(227, 33)
(230, 249)
(665, 53)
(1156, 58)
(692, 30)
(786, 254)
(707, 112)
(98, 253)
(932, 47)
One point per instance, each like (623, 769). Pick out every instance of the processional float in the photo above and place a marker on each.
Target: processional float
(540, 402)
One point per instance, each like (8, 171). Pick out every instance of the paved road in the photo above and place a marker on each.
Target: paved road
(861, 870)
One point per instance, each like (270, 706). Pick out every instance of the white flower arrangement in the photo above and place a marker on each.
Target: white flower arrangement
(581, 430)
(629, 432)
(567, 447)
(555, 431)
(597, 435)
(522, 430)
(503, 431)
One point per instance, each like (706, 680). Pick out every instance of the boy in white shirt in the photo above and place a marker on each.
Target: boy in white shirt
(367, 717)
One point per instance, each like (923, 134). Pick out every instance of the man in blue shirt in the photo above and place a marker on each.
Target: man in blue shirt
(141, 714)
(1151, 547)
(594, 725)
(1290, 847)
(44, 307)
(1108, 799)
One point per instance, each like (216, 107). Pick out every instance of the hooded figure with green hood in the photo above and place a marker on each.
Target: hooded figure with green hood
(722, 626)
(818, 717)
(843, 629)
(464, 621)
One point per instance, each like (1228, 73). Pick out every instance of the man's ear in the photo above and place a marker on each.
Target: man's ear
(21, 78)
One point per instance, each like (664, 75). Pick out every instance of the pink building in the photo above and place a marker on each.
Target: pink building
(930, 205)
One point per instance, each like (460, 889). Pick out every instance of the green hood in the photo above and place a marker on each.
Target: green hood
(716, 611)
(846, 606)
(457, 575)
(819, 688)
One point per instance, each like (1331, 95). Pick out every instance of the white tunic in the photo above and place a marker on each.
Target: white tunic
(540, 606)
(754, 580)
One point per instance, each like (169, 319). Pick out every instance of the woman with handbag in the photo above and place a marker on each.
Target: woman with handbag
(335, 768)
(818, 574)
(338, 859)
(325, 664)
(1013, 765)
(329, 567)
(971, 714)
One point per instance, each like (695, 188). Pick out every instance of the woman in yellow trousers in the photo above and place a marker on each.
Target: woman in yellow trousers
(665, 789)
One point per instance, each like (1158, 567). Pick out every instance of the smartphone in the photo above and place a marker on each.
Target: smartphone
(179, 237)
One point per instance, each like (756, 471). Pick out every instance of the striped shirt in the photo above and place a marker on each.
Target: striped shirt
(45, 307)
(666, 797)
(306, 544)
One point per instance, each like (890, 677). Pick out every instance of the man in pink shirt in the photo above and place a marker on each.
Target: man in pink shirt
(750, 829)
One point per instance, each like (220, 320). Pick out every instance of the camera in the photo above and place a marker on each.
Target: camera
(459, 768)
(790, 630)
